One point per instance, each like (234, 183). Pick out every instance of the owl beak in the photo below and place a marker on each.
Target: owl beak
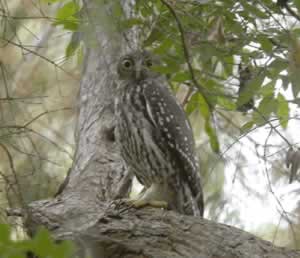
(138, 70)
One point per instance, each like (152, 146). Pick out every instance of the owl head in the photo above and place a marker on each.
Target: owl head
(137, 66)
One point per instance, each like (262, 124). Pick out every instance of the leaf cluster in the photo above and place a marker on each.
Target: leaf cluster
(41, 245)
(202, 44)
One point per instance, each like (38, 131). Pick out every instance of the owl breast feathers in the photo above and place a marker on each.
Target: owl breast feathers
(156, 138)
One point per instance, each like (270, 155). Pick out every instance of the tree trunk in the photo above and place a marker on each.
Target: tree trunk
(87, 210)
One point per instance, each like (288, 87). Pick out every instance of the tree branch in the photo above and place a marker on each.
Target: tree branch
(120, 231)
(187, 56)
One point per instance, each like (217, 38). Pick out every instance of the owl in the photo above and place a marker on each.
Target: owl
(155, 137)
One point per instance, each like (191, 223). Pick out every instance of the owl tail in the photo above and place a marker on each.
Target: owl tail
(198, 204)
(193, 201)
(197, 199)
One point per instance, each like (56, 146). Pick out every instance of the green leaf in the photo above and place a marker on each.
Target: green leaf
(234, 25)
(117, 10)
(282, 110)
(258, 119)
(155, 34)
(226, 103)
(294, 77)
(199, 102)
(265, 43)
(67, 10)
(192, 105)
(164, 47)
(295, 32)
(255, 10)
(246, 127)
(73, 44)
(268, 89)
(250, 90)
(228, 65)
(4, 234)
(174, 62)
(267, 106)
(277, 66)
(24, 246)
(207, 51)
(129, 23)
(203, 106)
(285, 81)
(297, 3)
(80, 55)
(213, 139)
(146, 10)
(181, 76)
(163, 69)
(66, 16)
(63, 249)
(43, 244)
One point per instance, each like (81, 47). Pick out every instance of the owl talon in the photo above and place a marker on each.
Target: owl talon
(143, 203)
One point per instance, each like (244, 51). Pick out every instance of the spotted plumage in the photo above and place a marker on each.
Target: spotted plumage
(155, 136)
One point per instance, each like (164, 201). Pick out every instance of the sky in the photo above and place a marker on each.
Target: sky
(266, 205)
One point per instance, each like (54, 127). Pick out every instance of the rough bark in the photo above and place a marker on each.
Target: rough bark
(111, 229)
(87, 211)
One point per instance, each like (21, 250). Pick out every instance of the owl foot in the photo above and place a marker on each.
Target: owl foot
(140, 203)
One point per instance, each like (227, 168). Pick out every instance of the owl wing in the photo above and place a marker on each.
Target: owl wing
(171, 123)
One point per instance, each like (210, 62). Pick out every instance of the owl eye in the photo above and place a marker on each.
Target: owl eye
(127, 63)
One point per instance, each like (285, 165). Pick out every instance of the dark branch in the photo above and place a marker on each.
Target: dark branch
(186, 55)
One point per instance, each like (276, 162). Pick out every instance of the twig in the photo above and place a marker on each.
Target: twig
(45, 113)
(14, 172)
(186, 53)
(291, 12)
(4, 80)
(39, 55)
(21, 98)
(187, 96)
(26, 129)
(273, 127)
(284, 212)
(31, 154)
(14, 212)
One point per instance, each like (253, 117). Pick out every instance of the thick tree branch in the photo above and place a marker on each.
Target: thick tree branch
(116, 230)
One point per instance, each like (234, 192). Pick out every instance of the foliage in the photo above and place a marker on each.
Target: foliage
(41, 245)
(215, 38)
(201, 44)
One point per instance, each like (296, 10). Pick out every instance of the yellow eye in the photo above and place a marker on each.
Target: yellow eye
(127, 63)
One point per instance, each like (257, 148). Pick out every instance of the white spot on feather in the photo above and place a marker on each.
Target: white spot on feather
(187, 124)
(150, 112)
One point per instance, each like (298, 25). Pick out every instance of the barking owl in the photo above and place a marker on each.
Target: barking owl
(155, 138)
